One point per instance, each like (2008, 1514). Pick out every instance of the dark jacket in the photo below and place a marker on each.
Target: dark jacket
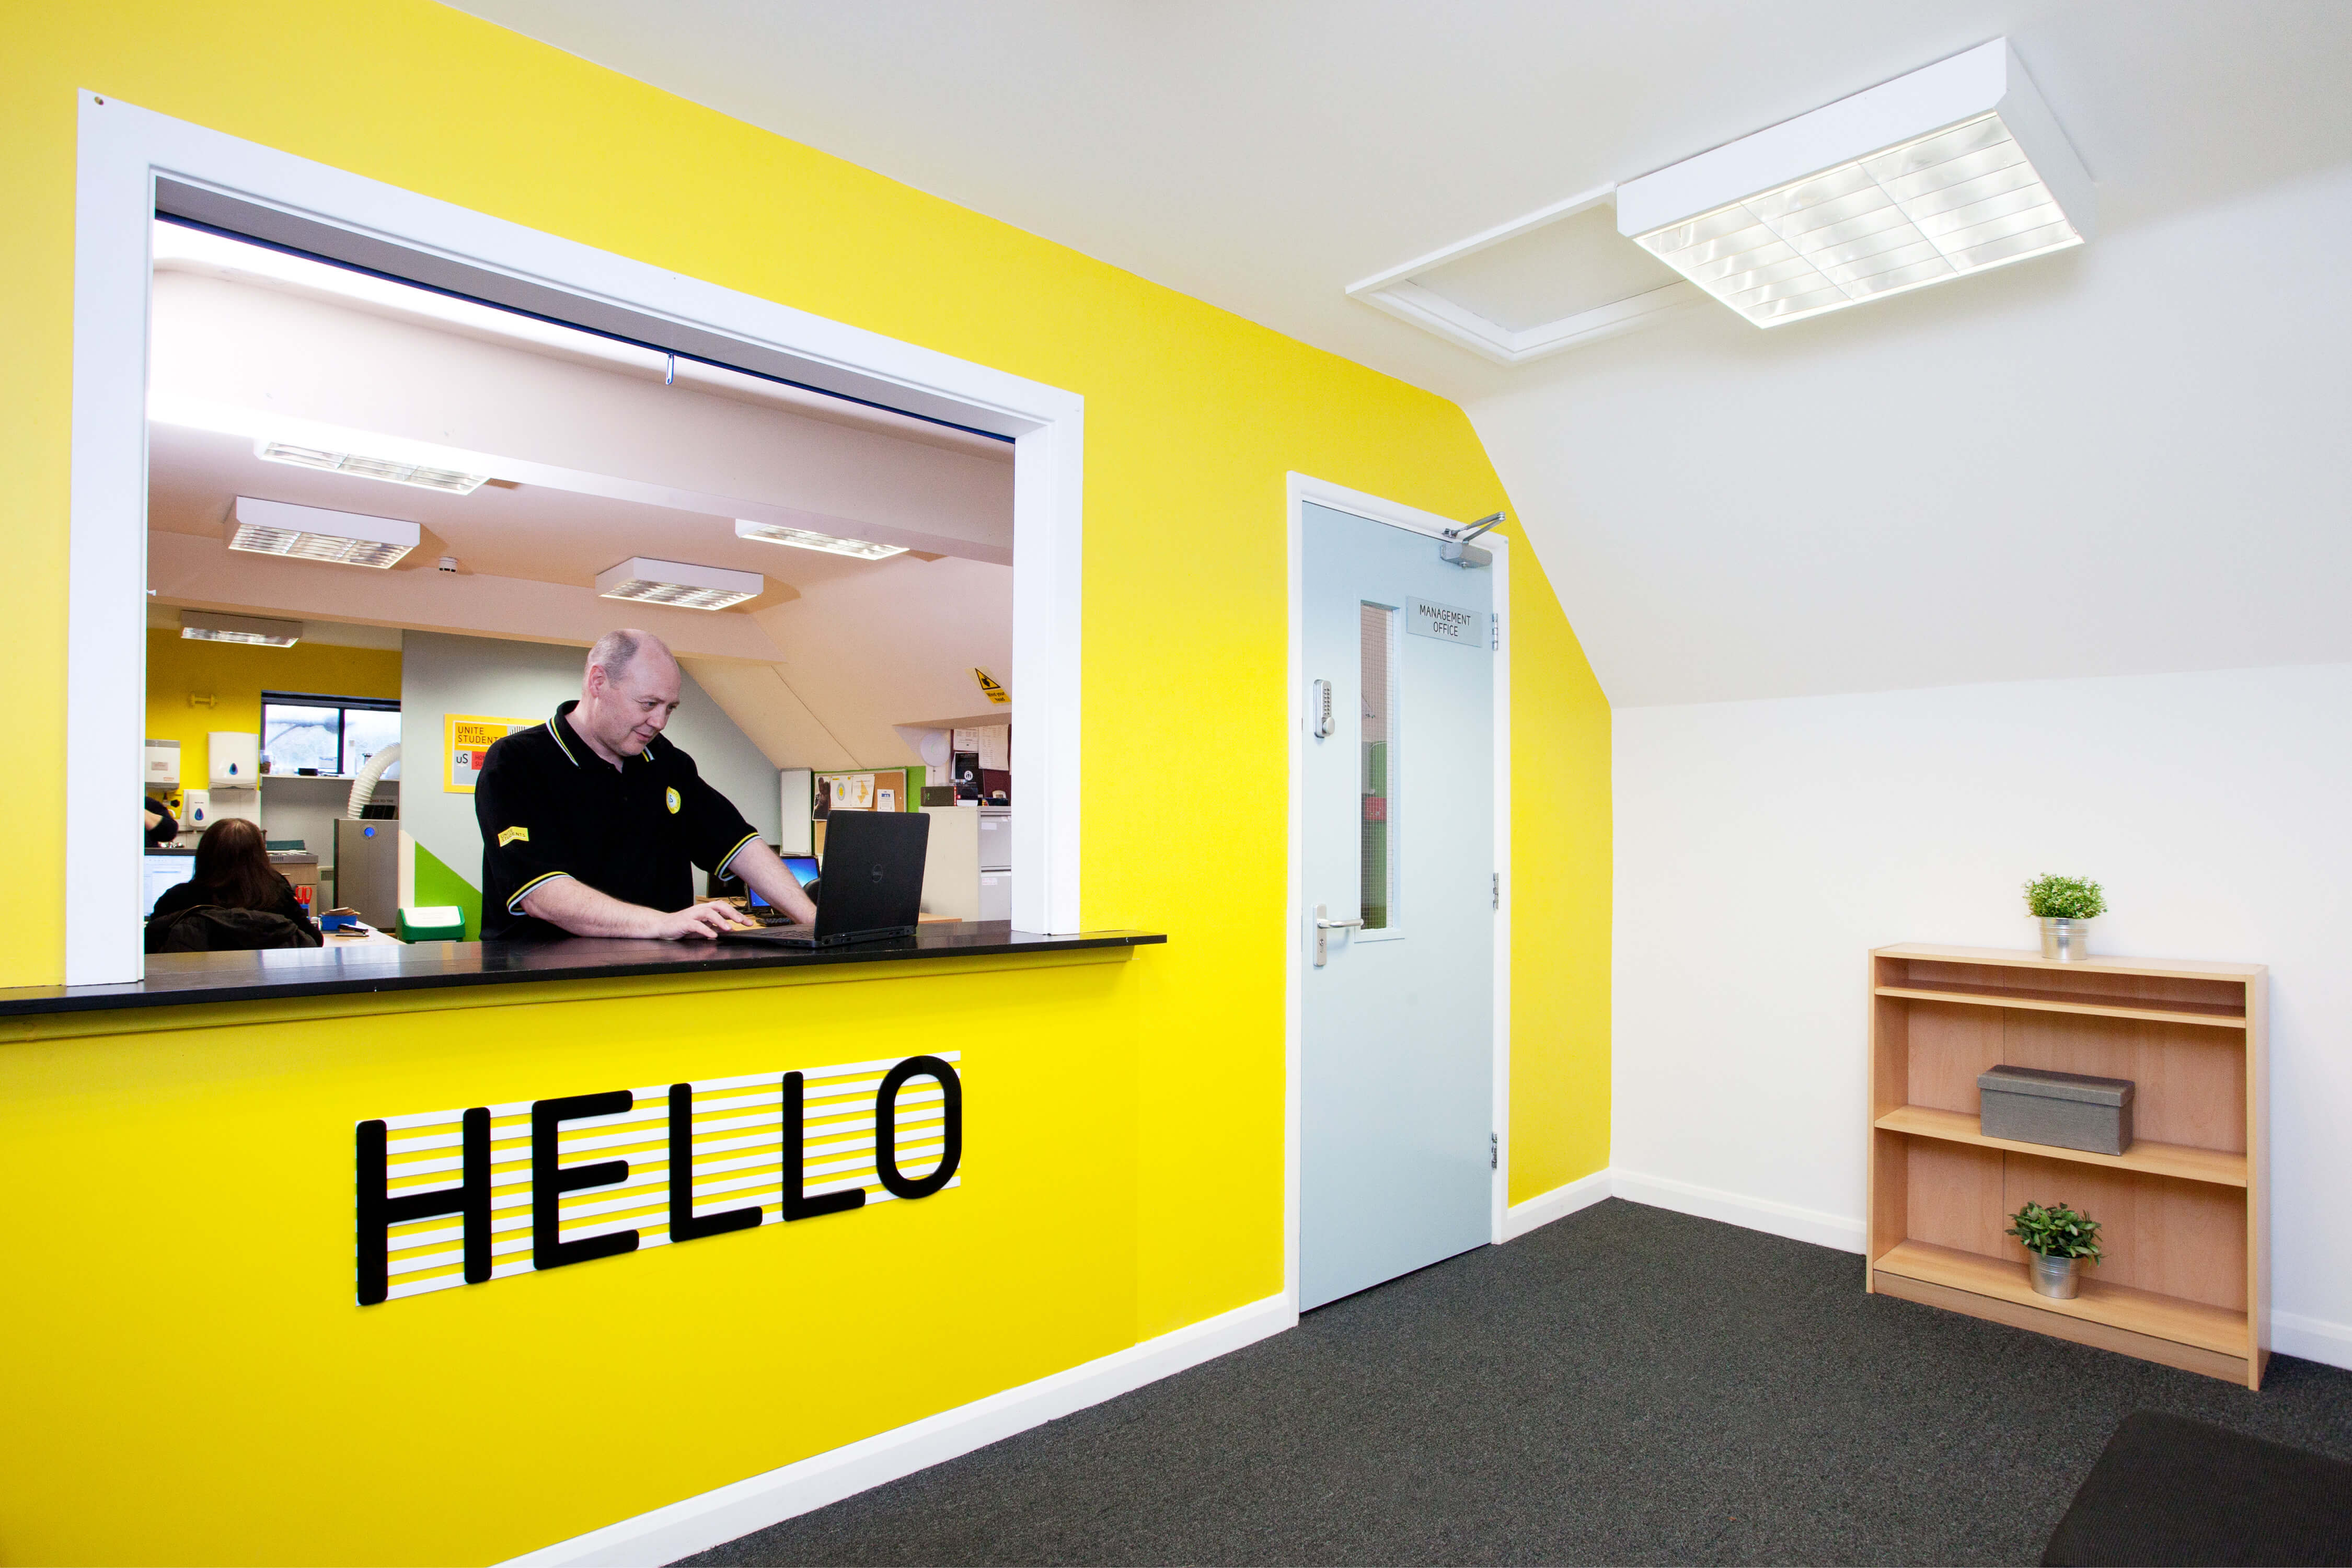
(166, 932)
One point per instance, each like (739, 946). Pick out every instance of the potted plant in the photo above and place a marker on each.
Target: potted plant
(2066, 906)
(2058, 1239)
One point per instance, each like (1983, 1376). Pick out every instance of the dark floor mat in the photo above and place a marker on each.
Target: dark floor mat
(2170, 1490)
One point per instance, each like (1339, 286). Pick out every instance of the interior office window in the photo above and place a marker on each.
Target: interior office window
(1378, 684)
(329, 735)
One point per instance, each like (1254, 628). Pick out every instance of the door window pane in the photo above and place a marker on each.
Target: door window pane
(366, 731)
(1378, 685)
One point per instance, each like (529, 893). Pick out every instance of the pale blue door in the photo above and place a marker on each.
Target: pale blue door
(1396, 1093)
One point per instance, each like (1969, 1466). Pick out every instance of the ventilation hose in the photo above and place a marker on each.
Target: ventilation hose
(363, 786)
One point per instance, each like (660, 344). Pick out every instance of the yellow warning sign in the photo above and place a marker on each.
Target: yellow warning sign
(991, 689)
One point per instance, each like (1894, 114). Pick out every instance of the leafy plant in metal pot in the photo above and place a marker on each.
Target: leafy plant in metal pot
(2059, 1238)
(2065, 906)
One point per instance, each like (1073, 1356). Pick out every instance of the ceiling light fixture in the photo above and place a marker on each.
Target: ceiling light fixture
(386, 468)
(205, 625)
(313, 534)
(1948, 170)
(809, 539)
(679, 583)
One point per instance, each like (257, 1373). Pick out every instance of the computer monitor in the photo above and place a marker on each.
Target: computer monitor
(164, 872)
(804, 871)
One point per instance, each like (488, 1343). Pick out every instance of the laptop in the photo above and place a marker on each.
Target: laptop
(872, 884)
(804, 871)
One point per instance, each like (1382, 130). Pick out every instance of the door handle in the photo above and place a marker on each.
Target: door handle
(1324, 927)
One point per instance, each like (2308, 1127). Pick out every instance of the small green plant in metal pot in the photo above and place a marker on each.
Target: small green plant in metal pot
(2065, 906)
(2058, 1239)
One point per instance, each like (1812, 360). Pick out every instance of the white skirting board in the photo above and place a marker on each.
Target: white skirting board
(698, 1524)
(2313, 1339)
(1737, 1208)
(1557, 1203)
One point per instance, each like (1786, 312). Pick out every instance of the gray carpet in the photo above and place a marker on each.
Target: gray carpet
(1624, 1385)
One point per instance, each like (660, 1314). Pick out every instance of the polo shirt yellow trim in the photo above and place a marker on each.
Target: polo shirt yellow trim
(720, 869)
(514, 904)
(561, 746)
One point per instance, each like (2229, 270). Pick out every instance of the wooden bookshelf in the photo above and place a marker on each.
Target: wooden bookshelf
(2183, 1210)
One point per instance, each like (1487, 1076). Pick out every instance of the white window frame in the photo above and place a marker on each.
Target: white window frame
(1300, 491)
(121, 153)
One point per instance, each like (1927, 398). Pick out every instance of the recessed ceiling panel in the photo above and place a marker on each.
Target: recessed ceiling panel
(1580, 263)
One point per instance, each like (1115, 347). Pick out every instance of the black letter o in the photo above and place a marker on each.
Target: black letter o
(886, 1127)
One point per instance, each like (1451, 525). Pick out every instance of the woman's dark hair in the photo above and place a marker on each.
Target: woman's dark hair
(233, 867)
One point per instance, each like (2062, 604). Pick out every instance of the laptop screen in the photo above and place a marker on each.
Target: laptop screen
(804, 871)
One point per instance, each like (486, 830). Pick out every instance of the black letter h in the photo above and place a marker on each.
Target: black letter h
(380, 1209)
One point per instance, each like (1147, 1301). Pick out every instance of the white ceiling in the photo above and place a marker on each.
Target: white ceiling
(2128, 457)
(1262, 155)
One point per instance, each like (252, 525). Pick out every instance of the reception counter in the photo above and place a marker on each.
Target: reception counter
(178, 979)
(229, 1160)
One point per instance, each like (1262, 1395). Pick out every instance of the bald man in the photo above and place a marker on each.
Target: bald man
(591, 822)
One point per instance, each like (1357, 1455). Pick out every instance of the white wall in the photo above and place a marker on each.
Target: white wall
(1762, 847)
(443, 674)
(2123, 459)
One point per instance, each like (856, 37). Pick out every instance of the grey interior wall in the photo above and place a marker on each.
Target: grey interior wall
(440, 675)
(296, 807)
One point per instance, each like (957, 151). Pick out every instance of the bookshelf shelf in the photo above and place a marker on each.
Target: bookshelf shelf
(2190, 1164)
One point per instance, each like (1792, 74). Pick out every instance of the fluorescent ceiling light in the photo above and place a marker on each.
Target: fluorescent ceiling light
(809, 539)
(387, 468)
(204, 625)
(313, 534)
(679, 583)
(1949, 171)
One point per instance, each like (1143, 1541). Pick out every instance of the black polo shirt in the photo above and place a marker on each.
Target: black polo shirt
(548, 806)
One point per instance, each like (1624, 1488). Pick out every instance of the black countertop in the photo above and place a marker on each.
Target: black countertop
(178, 979)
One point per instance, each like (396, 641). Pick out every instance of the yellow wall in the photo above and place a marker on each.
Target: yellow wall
(187, 1379)
(235, 674)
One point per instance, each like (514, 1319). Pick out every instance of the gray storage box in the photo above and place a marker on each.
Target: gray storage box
(2064, 1109)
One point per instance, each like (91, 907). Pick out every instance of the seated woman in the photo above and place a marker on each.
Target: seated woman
(236, 899)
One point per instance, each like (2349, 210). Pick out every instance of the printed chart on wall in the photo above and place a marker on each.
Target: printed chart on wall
(852, 792)
(466, 738)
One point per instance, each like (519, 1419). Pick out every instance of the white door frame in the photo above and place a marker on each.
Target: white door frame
(121, 153)
(1301, 488)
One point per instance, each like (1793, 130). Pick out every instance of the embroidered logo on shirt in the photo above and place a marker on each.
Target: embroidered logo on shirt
(671, 796)
(513, 833)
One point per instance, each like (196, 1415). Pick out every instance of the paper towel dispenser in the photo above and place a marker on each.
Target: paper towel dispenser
(236, 760)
